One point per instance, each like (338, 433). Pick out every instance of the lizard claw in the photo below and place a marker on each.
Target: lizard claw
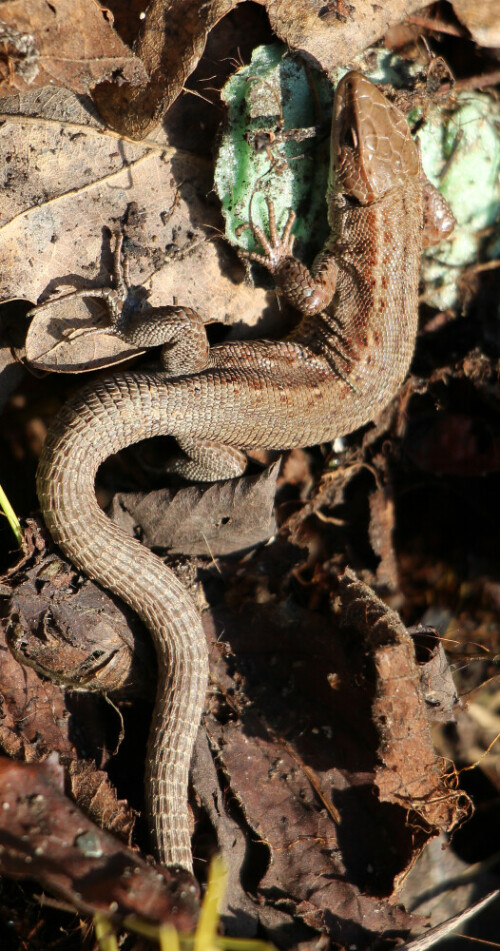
(114, 296)
(275, 248)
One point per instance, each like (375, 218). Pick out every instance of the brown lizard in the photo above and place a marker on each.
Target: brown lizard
(336, 371)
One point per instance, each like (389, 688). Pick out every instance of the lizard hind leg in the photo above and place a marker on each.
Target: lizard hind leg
(181, 334)
(207, 462)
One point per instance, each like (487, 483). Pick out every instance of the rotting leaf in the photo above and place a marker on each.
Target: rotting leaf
(44, 836)
(68, 43)
(290, 692)
(271, 670)
(411, 774)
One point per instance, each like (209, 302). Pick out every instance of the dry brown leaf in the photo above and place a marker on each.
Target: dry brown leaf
(220, 519)
(275, 721)
(304, 715)
(332, 34)
(70, 181)
(68, 43)
(481, 19)
(170, 43)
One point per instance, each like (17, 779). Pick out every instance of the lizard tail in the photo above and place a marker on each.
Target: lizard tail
(100, 420)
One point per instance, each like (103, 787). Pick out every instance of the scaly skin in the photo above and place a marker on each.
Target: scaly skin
(337, 371)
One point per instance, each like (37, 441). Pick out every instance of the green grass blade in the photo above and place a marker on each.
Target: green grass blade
(11, 517)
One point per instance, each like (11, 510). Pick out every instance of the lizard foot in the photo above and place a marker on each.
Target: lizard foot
(276, 249)
(114, 296)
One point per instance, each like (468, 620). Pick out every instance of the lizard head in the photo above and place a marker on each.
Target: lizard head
(371, 148)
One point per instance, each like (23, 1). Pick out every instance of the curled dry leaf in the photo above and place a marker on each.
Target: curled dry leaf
(68, 43)
(410, 774)
(169, 55)
(287, 744)
(307, 721)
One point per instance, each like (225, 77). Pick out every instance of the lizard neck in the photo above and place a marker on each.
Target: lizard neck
(367, 332)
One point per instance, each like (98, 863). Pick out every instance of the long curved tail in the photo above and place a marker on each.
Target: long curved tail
(82, 436)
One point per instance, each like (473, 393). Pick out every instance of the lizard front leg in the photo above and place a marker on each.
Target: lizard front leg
(309, 291)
